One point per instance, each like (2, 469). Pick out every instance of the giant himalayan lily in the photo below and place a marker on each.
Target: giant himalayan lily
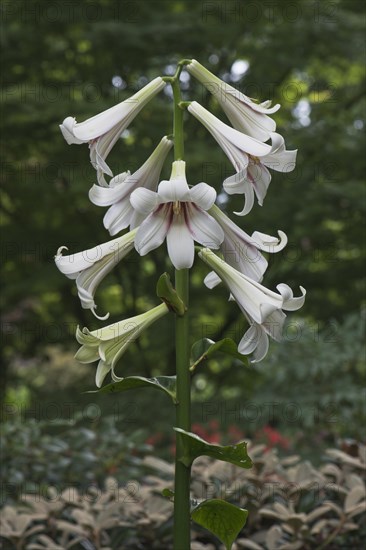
(108, 344)
(242, 251)
(256, 338)
(103, 130)
(244, 114)
(117, 194)
(251, 158)
(261, 306)
(91, 266)
(177, 213)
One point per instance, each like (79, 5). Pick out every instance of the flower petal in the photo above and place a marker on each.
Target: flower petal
(136, 219)
(118, 188)
(203, 195)
(291, 303)
(249, 200)
(211, 280)
(152, 231)
(105, 121)
(102, 371)
(91, 266)
(118, 216)
(242, 251)
(244, 258)
(87, 354)
(72, 264)
(204, 229)
(242, 141)
(250, 340)
(245, 118)
(67, 129)
(144, 200)
(237, 183)
(84, 336)
(262, 347)
(279, 158)
(260, 178)
(267, 243)
(229, 96)
(180, 243)
(273, 325)
(253, 299)
(174, 190)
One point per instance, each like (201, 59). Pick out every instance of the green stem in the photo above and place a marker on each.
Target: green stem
(178, 121)
(183, 408)
(183, 420)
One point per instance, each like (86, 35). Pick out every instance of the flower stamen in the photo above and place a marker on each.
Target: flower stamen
(176, 208)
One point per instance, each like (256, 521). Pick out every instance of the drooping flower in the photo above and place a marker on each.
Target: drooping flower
(256, 338)
(108, 344)
(261, 307)
(103, 130)
(251, 158)
(177, 213)
(244, 114)
(90, 267)
(242, 251)
(255, 178)
(117, 194)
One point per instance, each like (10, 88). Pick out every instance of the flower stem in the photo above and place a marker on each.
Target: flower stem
(178, 122)
(183, 419)
(183, 408)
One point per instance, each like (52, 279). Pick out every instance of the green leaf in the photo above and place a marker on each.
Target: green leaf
(194, 446)
(223, 519)
(202, 349)
(166, 384)
(166, 292)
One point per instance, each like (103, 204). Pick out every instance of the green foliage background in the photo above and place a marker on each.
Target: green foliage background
(59, 59)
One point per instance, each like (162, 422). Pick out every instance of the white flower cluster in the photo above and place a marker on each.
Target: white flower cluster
(171, 210)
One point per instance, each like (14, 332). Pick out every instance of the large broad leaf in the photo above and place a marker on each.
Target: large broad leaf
(166, 384)
(194, 446)
(224, 520)
(202, 349)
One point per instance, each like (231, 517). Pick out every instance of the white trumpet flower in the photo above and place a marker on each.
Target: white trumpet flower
(242, 251)
(108, 344)
(256, 338)
(103, 130)
(251, 158)
(261, 306)
(244, 114)
(177, 213)
(254, 179)
(117, 194)
(90, 267)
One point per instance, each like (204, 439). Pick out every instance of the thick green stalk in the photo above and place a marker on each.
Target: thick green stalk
(183, 420)
(178, 120)
(183, 408)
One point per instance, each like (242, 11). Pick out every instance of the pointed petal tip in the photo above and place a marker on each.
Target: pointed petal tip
(100, 317)
(282, 235)
(243, 212)
(67, 130)
(59, 251)
(101, 373)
